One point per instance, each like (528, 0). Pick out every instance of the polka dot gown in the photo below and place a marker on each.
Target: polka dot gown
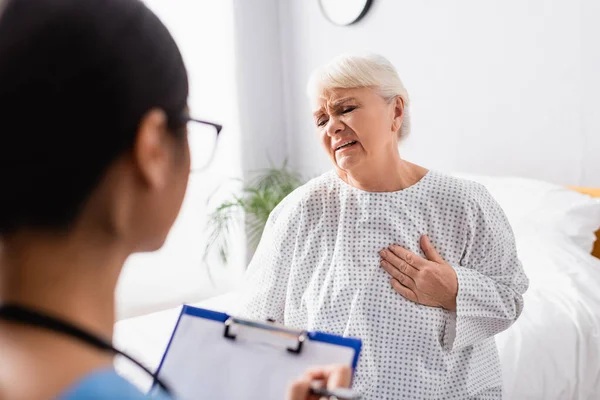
(317, 268)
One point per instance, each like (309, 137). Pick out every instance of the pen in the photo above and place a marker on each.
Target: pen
(334, 394)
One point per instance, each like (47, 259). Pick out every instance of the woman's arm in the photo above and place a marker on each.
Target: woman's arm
(484, 293)
(491, 280)
(264, 289)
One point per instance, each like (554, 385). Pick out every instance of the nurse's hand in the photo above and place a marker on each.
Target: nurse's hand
(431, 282)
(333, 376)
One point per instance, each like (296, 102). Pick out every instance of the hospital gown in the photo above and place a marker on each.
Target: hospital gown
(317, 267)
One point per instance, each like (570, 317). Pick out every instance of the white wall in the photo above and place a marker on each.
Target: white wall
(260, 83)
(590, 34)
(500, 87)
(205, 33)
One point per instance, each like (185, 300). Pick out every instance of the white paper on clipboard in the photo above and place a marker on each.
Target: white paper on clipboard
(202, 363)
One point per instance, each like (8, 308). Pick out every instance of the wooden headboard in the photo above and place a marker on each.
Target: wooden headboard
(594, 192)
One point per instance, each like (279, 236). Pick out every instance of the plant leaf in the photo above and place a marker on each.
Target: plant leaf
(255, 203)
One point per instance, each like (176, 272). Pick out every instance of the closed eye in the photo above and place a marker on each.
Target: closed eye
(321, 122)
(348, 109)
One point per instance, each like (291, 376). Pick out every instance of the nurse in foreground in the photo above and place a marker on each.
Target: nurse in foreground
(94, 164)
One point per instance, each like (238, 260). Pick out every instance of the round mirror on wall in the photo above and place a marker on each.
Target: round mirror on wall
(344, 12)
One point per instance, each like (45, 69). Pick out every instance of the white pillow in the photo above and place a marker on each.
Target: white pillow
(546, 206)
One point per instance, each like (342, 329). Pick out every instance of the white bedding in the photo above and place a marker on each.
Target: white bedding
(553, 350)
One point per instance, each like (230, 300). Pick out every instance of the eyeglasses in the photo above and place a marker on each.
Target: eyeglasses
(202, 139)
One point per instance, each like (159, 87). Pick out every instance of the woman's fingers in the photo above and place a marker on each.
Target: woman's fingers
(408, 256)
(334, 375)
(430, 251)
(398, 275)
(398, 263)
(404, 291)
(300, 389)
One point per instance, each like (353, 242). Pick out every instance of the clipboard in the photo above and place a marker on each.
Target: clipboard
(212, 355)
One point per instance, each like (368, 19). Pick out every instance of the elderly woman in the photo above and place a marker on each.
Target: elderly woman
(420, 265)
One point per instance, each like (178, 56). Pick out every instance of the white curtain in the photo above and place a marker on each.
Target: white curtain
(204, 32)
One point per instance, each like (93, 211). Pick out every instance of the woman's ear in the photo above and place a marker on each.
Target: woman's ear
(398, 113)
(150, 152)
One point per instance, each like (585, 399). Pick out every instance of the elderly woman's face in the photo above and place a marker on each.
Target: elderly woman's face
(357, 125)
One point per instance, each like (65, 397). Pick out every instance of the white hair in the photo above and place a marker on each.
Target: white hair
(349, 71)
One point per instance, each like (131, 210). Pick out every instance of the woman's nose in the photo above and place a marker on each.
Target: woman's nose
(335, 126)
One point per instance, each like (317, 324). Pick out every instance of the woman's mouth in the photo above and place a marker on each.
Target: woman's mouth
(345, 145)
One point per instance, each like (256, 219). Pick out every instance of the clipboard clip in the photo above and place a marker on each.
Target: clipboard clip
(300, 336)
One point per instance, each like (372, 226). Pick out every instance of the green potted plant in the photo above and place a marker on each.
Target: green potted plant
(253, 206)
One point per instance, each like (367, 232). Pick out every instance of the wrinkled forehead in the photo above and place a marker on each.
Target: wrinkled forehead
(329, 98)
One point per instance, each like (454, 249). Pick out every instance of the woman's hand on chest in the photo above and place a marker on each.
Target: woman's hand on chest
(430, 281)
